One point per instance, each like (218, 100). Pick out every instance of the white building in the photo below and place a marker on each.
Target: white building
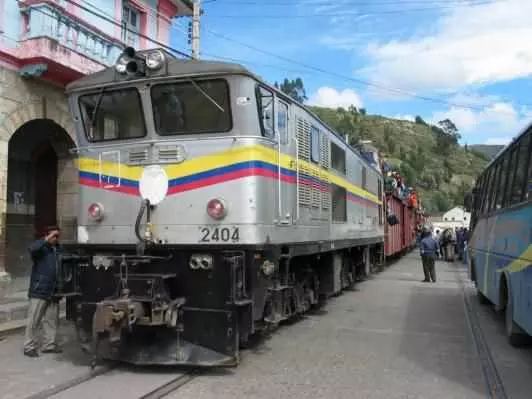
(455, 217)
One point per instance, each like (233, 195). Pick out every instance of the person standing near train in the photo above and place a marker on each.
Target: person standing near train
(44, 307)
(429, 250)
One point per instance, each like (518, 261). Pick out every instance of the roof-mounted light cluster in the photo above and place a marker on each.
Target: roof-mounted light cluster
(132, 63)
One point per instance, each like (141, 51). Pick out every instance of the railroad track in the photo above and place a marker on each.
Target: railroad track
(161, 391)
(494, 385)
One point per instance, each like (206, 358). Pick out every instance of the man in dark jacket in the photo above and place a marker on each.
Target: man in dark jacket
(429, 250)
(43, 307)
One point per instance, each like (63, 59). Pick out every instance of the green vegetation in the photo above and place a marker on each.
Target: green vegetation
(429, 157)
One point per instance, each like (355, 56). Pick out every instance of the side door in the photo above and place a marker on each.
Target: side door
(288, 165)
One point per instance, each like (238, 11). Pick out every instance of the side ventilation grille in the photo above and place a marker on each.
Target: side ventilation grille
(137, 156)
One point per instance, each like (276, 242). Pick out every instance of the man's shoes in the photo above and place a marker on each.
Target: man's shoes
(425, 281)
(54, 349)
(31, 353)
(433, 281)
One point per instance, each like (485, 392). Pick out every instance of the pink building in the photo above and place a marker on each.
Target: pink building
(44, 45)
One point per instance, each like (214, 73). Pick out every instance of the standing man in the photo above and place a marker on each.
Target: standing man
(44, 307)
(429, 250)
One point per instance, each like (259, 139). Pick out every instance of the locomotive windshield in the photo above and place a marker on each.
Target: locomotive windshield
(191, 107)
(112, 115)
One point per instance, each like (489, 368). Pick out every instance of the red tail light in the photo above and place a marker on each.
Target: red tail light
(96, 211)
(216, 209)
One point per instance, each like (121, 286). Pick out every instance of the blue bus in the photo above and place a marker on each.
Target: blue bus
(500, 250)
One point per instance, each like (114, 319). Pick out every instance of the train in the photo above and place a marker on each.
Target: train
(212, 207)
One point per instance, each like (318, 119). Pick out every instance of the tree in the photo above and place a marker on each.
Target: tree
(447, 136)
(420, 121)
(362, 111)
(294, 89)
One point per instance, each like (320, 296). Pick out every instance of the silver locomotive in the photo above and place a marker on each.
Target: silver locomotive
(212, 206)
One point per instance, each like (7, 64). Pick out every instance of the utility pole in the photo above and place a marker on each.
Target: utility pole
(196, 10)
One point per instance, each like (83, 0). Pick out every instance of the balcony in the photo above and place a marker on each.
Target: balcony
(57, 43)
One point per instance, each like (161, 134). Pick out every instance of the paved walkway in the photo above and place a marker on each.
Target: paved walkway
(393, 337)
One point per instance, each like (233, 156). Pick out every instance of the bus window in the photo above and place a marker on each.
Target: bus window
(528, 190)
(520, 171)
(494, 187)
(510, 177)
(486, 191)
(501, 186)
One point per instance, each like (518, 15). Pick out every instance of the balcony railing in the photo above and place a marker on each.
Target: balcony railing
(48, 32)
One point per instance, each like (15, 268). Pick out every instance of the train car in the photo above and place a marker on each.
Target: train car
(401, 237)
(211, 207)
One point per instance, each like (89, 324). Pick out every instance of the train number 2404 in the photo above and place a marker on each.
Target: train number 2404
(219, 234)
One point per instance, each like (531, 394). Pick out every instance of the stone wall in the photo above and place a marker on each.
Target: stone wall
(21, 101)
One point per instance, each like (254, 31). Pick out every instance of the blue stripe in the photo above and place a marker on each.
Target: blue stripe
(110, 179)
(228, 169)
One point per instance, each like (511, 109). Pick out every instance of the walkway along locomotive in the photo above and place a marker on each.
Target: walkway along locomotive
(211, 206)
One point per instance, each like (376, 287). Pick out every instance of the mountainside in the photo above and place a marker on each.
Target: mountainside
(429, 157)
(489, 150)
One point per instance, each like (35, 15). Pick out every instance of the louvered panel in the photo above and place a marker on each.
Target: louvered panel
(137, 156)
(171, 153)
(305, 190)
(316, 188)
(303, 138)
(324, 151)
(326, 192)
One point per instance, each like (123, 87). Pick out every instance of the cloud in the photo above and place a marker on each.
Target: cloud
(332, 98)
(406, 117)
(492, 124)
(476, 45)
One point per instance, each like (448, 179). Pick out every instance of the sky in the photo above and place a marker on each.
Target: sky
(467, 60)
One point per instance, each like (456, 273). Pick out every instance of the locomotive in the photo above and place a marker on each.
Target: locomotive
(212, 206)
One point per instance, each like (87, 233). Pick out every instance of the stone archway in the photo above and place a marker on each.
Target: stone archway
(41, 189)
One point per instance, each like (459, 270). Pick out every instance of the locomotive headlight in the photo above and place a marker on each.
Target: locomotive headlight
(121, 64)
(96, 212)
(200, 262)
(155, 59)
(216, 209)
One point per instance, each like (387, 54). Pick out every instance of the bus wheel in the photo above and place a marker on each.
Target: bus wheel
(515, 334)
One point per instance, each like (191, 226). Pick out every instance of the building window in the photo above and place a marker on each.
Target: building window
(130, 24)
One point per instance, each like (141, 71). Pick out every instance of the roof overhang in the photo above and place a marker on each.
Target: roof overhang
(184, 7)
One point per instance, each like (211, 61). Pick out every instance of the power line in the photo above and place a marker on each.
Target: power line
(355, 80)
(356, 13)
(351, 2)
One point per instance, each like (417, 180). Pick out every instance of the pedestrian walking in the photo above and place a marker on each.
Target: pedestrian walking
(43, 306)
(429, 250)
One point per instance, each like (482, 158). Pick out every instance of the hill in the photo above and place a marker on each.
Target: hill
(429, 157)
(489, 150)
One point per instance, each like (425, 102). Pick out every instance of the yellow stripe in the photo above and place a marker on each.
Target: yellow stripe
(520, 263)
(221, 159)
